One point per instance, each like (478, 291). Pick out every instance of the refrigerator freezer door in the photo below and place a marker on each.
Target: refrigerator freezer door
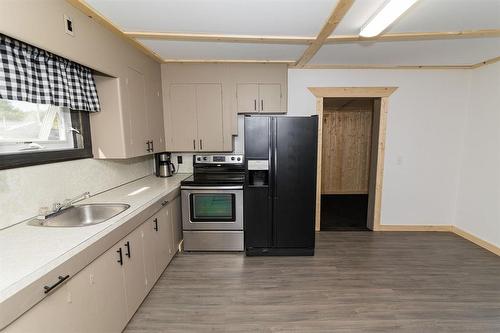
(294, 173)
(257, 137)
(257, 199)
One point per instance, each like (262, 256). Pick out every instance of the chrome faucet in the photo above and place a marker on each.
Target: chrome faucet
(45, 213)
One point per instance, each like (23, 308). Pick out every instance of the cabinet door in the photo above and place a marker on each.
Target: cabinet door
(67, 309)
(149, 244)
(156, 132)
(134, 276)
(135, 112)
(183, 116)
(164, 240)
(248, 98)
(209, 116)
(270, 98)
(176, 222)
(109, 289)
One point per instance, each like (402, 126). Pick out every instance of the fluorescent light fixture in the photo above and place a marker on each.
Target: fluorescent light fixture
(388, 13)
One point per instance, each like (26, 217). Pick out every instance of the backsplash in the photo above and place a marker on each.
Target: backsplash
(24, 190)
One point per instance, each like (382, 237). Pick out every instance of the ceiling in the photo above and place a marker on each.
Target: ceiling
(295, 24)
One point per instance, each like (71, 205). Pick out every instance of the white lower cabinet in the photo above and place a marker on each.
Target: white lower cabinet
(176, 222)
(149, 244)
(108, 288)
(105, 295)
(65, 310)
(133, 272)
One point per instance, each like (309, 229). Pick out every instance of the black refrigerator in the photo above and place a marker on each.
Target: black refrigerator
(280, 185)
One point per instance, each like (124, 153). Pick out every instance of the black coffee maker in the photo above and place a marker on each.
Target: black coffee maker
(164, 165)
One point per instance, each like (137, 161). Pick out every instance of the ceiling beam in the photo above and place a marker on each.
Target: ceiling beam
(361, 66)
(486, 62)
(250, 61)
(410, 36)
(220, 38)
(303, 40)
(94, 14)
(333, 21)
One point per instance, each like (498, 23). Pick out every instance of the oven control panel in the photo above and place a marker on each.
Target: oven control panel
(218, 159)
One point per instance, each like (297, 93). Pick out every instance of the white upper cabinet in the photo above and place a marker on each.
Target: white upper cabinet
(134, 109)
(259, 97)
(209, 117)
(217, 93)
(248, 97)
(196, 117)
(183, 117)
(130, 123)
(270, 98)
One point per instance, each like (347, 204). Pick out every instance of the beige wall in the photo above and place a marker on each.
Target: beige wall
(40, 22)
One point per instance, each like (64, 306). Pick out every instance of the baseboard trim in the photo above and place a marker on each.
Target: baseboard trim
(442, 228)
(476, 240)
(400, 227)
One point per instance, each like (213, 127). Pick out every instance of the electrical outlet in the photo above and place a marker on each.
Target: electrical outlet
(68, 26)
(179, 159)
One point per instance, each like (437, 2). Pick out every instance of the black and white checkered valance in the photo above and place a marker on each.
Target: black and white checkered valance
(30, 74)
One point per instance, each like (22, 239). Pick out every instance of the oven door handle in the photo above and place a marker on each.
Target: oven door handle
(212, 187)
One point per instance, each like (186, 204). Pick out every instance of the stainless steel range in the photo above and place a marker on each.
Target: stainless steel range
(212, 204)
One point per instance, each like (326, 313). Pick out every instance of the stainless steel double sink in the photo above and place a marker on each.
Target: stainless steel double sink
(81, 215)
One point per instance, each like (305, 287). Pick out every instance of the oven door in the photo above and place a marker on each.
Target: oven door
(212, 208)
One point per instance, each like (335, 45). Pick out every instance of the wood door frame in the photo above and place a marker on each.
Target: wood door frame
(375, 188)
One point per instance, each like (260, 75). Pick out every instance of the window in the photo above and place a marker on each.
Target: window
(33, 133)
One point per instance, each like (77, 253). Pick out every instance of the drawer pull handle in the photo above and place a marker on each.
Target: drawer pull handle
(127, 245)
(61, 280)
(164, 203)
(156, 224)
(120, 260)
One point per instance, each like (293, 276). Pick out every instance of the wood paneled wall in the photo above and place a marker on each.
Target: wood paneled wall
(347, 132)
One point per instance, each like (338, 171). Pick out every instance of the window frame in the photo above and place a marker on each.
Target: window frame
(11, 161)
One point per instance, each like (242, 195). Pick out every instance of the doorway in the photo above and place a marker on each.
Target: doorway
(379, 97)
(346, 159)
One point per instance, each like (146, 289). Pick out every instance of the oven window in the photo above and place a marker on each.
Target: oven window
(210, 207)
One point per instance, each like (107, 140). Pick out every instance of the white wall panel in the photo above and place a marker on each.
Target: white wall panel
(478, 205)
(427, 15)
(255, 17)
(429, 52)
(424, 135)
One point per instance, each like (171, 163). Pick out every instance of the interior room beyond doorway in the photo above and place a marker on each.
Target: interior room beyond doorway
(347, 137)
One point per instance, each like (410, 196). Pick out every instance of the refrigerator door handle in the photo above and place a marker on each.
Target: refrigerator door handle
(271, 160)
(275, 157)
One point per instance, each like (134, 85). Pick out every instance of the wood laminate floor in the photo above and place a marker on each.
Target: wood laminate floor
(356, 282)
